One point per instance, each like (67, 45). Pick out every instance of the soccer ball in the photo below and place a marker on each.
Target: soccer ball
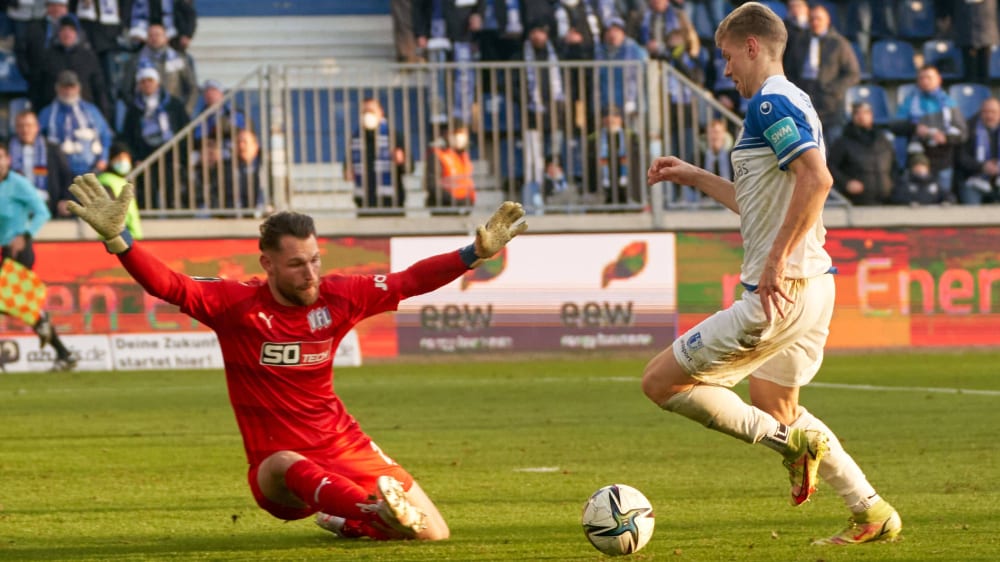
(618, 520)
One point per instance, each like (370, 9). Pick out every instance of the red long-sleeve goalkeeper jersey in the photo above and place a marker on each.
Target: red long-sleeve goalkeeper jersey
(278, 359)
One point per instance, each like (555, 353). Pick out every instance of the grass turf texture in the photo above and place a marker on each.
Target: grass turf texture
(149, 466)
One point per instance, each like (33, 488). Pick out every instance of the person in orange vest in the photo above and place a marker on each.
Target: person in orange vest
(449, 178)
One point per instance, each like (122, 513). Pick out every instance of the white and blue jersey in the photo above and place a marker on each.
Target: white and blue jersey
(780, 125)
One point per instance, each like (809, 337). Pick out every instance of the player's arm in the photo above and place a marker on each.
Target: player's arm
(812, 185)
(675, 170)
(107, 217)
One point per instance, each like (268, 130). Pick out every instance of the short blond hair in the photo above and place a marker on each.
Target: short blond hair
(754, 19)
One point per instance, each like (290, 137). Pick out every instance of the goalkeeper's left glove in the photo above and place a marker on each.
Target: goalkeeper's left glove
(502, 227)
(104, 214)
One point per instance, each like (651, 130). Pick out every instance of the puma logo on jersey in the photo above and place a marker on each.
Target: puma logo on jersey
(266, 318)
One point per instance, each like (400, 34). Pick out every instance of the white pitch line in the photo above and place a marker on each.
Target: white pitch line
(934, 389)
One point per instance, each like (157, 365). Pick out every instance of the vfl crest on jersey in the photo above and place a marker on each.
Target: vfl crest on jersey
(319, 318)
(296, 354)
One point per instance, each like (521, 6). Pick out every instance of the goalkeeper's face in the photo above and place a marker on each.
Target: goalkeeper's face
(293, 271)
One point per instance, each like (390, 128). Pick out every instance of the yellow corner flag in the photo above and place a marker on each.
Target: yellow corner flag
(22, 293)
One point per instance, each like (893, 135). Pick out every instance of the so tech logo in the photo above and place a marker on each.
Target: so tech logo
(296, 354)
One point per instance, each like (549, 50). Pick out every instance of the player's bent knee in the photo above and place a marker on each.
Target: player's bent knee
(663, 377)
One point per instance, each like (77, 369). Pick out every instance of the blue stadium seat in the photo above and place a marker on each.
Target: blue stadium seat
(875, 96)
(995, 63)
(969, 97)
(11, 81)
(777, 7)
(946, 57)
(892, 60)
(863, 63)
(915, 19)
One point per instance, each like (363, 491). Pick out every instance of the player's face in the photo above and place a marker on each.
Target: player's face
(738, 63)
(293, 272)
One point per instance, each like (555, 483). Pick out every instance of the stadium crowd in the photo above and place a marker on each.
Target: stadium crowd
(89, 81)
(934, 62)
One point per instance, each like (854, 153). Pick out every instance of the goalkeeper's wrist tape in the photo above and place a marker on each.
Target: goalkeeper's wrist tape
(119, 244)
(468, 255)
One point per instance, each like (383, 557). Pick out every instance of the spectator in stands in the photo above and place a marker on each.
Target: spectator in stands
(546, 96)
(401, 12)
(578, 30)
(557, 189)
(445, 29)
(824, 65)
(77, 126)
(660, 20)
(248, 183)
(718, 144)
(619, 85)
(863, 160)
(101, 22)
(500, 32)
(212, 180)
(71, 52)
(24, 15)
(933, 124)
(377, 161)
(41, 162)
(797, 26)
(613, 159)
(178, 18)
(918, 186)
(629, 11)
(153, 117)
(722, 86)
(114, 180)
(175, 71)
(975, 33)
(450, 180)
(683, 118)
(34, 38)
(979, 157)
(226, 122)
(868, 20)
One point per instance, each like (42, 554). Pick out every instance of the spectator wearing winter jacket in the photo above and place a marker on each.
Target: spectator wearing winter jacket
(863, 160)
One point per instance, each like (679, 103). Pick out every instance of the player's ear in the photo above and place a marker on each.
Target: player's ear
(265, 262)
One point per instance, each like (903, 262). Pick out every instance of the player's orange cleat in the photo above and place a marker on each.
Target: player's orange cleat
(807, 448)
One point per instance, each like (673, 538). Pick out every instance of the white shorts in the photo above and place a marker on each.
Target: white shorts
(737, 342)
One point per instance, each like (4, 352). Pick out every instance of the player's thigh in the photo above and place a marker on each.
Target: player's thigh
(800, 358)
(437, 528)
(726, 347)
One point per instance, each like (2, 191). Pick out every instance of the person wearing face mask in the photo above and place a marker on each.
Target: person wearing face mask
(114, 180)
(450, 181)
(41, 163)
(77, 126)
(153, 118)
(377, 162)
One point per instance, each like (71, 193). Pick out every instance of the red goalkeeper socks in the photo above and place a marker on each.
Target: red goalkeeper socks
(329, 492)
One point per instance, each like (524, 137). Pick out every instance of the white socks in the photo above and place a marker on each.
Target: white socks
(838, 469)
(721, 409)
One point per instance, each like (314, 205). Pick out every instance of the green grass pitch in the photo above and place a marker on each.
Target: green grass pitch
(149, 466)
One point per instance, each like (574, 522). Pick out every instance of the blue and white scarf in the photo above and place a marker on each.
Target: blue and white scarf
(155, 123)
(102, 11)
(604, 149)
(982, 139)
(670, 23)
(37, 168)
(625, 79)
(928, 103)
(383, 161)
(139, 25)
(564, 22)
(165, 61)
(537, 103)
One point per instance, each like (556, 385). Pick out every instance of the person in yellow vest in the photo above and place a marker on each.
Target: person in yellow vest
(113, 179)
(449, 178)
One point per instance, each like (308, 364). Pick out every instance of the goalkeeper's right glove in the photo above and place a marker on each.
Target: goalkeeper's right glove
(104, 214)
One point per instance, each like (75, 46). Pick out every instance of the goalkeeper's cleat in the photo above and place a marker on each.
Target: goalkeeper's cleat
(807, 448)
(396, 511)
(879, 522)
(339, 526)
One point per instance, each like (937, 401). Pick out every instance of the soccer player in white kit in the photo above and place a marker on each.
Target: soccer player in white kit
(776, 332)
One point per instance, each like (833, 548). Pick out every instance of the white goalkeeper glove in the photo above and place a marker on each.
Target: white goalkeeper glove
(491, 237)
(104, 214)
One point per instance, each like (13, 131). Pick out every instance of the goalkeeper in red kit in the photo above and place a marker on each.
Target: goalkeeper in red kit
(278, 336)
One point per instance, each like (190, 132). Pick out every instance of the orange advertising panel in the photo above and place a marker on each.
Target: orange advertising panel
(89, 292)
(926, 287)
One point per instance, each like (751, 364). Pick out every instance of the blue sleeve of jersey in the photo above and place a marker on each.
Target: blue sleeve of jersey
(782, 125)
